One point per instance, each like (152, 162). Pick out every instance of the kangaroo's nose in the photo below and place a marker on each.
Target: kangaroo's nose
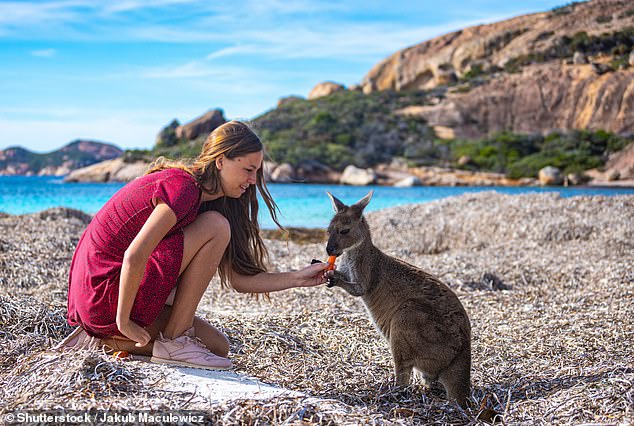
(331, 249)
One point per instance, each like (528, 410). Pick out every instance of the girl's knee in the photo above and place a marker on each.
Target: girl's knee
(215, 225)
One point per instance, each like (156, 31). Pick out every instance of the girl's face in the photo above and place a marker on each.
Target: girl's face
(236, 174)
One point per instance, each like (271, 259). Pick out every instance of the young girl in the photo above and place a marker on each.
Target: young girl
(143, 263)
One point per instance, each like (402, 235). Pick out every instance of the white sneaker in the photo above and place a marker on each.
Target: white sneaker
(78, 339)
(187, 351)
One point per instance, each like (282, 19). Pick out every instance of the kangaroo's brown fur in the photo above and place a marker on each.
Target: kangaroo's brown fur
(423, 321)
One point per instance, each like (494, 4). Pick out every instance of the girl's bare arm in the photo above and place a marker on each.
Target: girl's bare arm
(268, 282)
(158, 224)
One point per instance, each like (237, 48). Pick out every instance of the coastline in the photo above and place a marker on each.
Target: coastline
(546, 281)
(301, 205)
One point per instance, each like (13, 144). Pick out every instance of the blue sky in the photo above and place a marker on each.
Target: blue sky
(119, 70)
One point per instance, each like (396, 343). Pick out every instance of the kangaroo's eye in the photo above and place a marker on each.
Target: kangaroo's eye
(344, 231)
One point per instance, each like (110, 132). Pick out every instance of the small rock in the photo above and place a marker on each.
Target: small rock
(464, 160)
(579, 58)
(398, 163)
(600, 68)
(494, 282)
(576, 178)
(57, 213)
(408, 182)
(613, 175)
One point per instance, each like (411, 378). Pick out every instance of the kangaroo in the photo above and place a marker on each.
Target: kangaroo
(425, 324)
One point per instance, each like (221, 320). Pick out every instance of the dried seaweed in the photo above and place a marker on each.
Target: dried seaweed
(547, 282)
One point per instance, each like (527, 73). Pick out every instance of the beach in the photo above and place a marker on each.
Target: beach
(548, 283)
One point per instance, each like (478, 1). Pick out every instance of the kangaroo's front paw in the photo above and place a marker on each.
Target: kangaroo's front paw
(336, 278)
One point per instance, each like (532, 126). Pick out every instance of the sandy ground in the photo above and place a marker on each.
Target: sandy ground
(218, 386)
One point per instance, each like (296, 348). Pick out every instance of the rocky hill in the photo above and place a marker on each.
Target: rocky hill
(79, 153)
(551, 89)
(568, 68)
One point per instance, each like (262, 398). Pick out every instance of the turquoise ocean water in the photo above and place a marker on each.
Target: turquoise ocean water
(304, 205)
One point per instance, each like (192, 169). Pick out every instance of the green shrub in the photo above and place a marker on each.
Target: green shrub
(617, 43)
(475, 70)
(524, 155)
(565, 9)
(627, 13)
(342, 128)
(134, 155)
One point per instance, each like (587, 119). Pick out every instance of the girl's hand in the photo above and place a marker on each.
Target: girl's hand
(311, 275)
(135, 332)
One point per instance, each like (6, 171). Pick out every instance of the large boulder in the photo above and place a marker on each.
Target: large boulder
(283, 173)
(267, 169)
(116, 170)
(550, 176)
(167, 135)
(201, 126)
(428, 64)
(353, 175)
(540, 98)
(312, 171)
(324, 89)
(504, 89)
(288, 99)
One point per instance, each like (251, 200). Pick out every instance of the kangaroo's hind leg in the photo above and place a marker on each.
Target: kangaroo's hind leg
(456, 378)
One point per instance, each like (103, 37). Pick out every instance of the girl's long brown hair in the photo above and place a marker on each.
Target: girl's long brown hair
(246, 253)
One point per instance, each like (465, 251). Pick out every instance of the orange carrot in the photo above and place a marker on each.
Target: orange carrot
(331, 263)
(121, 354)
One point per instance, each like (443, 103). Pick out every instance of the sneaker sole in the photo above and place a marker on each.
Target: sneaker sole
(74, 339)
(187, 364)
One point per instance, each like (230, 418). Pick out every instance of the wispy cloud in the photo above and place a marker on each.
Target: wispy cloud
(275, 28)
(232, 51)
(301, 7)
(176, 58)
(25, 13)
(120, 6)
(355, 42)
(44, 53)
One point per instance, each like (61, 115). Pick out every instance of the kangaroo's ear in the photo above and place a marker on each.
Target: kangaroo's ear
(337, 205)
(360, 205)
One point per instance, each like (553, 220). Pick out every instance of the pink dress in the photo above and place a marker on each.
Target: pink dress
(93, 284)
